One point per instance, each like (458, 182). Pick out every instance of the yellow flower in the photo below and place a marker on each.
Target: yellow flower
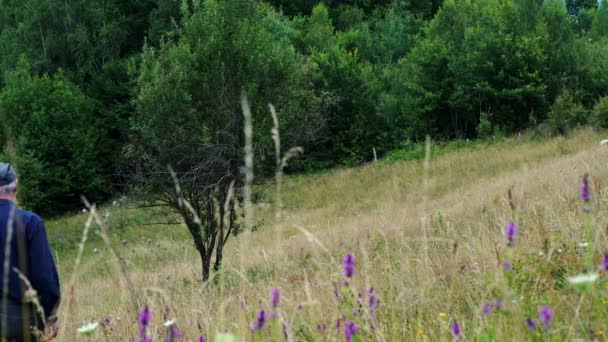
(441, 314)
(420, 332)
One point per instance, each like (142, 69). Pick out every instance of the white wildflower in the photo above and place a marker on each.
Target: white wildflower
(89, 329)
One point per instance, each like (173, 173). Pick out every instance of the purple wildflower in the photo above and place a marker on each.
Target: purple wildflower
(300, 307)
(456, 331)
(498, 304)
(144, 320)
(260, 321)
(507, 266)
(605, 262)
(372, 300)
(350, 329)
(202, 339)
(349, 265)
(199, 326)
(321, 327)
(546, 315)
(585, 192)
(531, 323)
(173, 334)
(511, 232)
(285, 330)
(275, 297)
(487, 309)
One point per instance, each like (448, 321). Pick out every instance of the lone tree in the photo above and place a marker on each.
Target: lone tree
(189, 114)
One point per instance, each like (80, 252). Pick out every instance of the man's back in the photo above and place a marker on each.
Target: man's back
(29, 253)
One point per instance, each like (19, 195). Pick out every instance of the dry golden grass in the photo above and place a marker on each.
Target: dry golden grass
(429, 241)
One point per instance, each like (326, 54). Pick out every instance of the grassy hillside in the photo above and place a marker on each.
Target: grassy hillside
(428, 237)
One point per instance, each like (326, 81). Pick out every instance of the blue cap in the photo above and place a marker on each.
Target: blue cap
(7, 174)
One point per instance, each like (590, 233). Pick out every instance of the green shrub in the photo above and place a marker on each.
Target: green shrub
(55, 137)
(484, 128)
(599, 115)
(566, 114)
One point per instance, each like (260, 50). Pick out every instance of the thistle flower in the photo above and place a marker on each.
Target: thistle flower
(260, 321)
(531, 323)
(349, 265)
(507, 266)
(350, 329)
(605, 262)
(546, 316)
(456, 331)
(585, 192)
(202, 339)
(275, 297)
(511, 232)
(498, 304)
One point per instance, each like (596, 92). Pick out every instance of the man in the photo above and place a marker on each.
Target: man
(28, 254)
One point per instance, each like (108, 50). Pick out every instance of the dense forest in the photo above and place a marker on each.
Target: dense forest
(99, 96)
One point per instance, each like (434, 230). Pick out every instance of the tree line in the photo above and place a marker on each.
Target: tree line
(98, 97)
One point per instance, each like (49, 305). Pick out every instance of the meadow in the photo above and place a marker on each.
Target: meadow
(479, 243)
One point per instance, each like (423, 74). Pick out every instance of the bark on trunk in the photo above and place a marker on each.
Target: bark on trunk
(206, 263)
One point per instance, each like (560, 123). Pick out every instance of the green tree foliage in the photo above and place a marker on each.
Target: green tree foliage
(563, 50)
(53, 129)
(475, 57)
(594, 70)
(189, 114)
(576, 6)
(353, 67)
(599, 26)
(91, 42)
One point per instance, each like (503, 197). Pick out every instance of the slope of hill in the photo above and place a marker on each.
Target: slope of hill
(427, 237)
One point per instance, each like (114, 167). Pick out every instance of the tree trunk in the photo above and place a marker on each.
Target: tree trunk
(221, 239)
(206, 263)
(195, 232)
(218, 258)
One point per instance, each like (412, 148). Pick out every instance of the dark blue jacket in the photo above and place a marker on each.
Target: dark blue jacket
(31, 254)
